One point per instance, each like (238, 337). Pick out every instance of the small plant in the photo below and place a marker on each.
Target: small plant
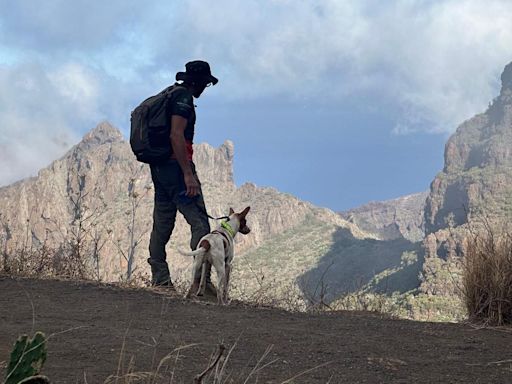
(27, 359)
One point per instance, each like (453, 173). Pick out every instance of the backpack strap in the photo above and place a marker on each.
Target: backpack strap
(170, 90)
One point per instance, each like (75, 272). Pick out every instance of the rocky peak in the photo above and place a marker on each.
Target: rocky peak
(229, 149)
(215, 164)
(103, 133)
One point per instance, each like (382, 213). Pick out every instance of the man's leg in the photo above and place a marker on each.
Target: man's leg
(164, 215)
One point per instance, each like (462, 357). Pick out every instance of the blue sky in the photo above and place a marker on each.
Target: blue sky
(336, 102)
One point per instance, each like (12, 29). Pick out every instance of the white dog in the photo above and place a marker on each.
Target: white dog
(217, 248)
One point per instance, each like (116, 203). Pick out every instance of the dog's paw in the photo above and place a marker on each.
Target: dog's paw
(221, 302)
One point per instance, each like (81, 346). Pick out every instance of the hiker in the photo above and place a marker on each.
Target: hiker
(177, 187)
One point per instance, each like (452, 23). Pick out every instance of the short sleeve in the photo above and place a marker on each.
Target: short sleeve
(182, 104)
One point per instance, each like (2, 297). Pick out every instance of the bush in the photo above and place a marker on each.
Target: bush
(487, 276)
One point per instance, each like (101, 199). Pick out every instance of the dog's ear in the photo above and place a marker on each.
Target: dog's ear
(245, 212)
(231, 211)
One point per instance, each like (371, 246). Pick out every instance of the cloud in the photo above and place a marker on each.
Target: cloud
(78, 86)
(285, 46)
(439, 61)
(62, 25)
(66, 65)
(45, 110)
(40, 110)
(449, 69)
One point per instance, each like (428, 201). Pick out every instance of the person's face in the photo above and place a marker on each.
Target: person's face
(198, 89)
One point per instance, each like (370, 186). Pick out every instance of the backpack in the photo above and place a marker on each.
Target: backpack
(150, 128)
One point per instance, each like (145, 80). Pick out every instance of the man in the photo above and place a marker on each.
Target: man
(176, 184)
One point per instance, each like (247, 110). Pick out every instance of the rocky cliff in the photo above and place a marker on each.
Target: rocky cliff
(474, 186)
(477, 176)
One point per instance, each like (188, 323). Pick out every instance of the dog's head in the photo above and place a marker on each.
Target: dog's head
(239, 218)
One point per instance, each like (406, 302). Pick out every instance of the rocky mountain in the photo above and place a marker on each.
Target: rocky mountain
(97, 200)
(477, 175)
(474, 186)
(391, 219)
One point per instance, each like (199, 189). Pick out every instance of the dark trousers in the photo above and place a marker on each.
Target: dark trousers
(169, 182)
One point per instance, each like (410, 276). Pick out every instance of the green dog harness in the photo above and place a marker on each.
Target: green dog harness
(227, 227)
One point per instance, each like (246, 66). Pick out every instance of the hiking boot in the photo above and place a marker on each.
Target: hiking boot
(166, 286)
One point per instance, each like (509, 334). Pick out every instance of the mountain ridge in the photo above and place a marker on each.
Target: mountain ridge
(401, 217)
(99, 178)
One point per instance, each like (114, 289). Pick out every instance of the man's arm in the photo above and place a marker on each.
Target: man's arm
(178, 124)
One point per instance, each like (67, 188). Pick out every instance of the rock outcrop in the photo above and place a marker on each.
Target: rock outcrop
(474, 186)
(477, 176)
(391, 219)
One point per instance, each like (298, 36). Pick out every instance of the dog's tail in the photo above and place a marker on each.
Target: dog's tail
(199, 251)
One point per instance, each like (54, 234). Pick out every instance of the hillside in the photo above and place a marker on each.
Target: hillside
(97, 331)
(96, 201)
(391, 219)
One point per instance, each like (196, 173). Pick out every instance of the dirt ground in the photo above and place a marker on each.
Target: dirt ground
(96, 331)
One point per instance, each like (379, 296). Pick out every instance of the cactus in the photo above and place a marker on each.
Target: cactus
(27, 358)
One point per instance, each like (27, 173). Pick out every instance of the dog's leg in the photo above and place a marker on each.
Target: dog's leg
(226, 282)
(222, 287)
(202, 283)
(194, 287)
(205, 245)
(219, 265)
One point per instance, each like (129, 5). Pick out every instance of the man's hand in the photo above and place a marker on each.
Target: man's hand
(192, 184)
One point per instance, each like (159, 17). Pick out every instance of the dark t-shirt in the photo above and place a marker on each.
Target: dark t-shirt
(182, 104)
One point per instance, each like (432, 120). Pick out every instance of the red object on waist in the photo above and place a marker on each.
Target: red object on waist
(190, 151)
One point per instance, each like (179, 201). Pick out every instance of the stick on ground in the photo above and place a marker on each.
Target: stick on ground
(199, 378)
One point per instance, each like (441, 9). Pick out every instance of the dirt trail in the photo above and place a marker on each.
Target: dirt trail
(354, 347)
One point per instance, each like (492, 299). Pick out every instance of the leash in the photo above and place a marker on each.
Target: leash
(202, 209)
(216, 218)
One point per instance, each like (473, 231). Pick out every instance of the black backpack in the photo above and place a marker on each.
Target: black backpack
(150, 128)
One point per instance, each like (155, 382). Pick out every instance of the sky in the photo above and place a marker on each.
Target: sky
(336, 102)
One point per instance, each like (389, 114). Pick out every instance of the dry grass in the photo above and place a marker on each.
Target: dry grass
(215, 373)
(66, 261)
(487, 275)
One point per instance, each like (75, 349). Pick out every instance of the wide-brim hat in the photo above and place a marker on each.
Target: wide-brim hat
(197, 71)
